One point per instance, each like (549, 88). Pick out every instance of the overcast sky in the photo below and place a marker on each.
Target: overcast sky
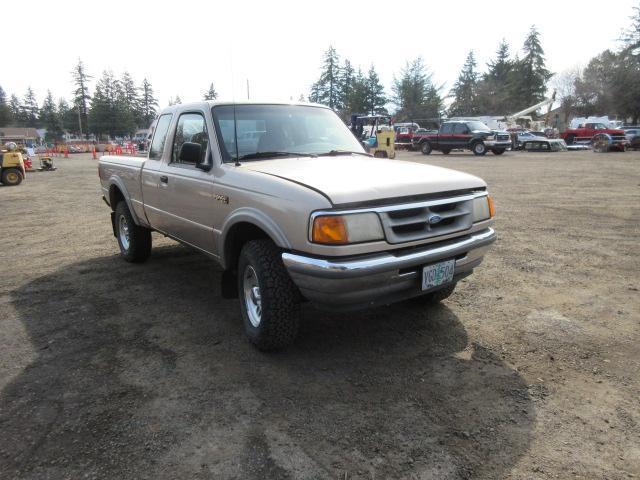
(181, 47)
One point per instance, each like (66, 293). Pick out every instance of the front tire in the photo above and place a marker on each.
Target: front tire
(269, 300)
(134, 241)
(498, 151)
(425, 148)
(438, 295)
(446, 151)
(479, 149)
(11, 177)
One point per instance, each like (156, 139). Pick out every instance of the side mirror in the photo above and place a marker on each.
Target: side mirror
(191, 152)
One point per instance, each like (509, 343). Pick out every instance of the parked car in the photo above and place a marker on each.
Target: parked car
(587, 131)
(305, 214)
(524, 136)
(459, 134)
(543, 144)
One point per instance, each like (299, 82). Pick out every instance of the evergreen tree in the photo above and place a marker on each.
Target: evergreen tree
(50, 119)
(375, 97)
(68, 116)
(81, 95)
(148, 103)
(493, 88)
(175, 101)
(15, 109)
(415, 95)
(357, 99)
(104, 113)
(529, 76)
(595, 89)
(465, 90)
(327, 88)
(346, 82)
(5, 112)
(125, 109)
(29, 110)
(130, 98)
(211, 94)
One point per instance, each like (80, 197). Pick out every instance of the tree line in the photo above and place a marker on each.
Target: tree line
(116, 107)
(509, 84)
(609, 84)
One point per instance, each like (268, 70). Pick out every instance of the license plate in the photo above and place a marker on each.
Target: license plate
(437, 274)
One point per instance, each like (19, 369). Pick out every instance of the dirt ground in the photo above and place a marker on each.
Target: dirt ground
(530, 371)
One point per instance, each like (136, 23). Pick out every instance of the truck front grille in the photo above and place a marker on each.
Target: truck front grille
(407, 223)
(503, 137)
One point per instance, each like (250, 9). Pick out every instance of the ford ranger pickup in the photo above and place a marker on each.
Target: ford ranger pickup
(285, 199)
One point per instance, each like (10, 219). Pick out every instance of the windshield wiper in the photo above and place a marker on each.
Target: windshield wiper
(257, 155)
(335, 153)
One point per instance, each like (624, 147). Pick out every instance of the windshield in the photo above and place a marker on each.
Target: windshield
(474, 126)
(281, 130)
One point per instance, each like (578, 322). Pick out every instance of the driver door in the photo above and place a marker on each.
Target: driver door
(186, 191)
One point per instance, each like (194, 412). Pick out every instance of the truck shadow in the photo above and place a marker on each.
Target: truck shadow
(142, 371)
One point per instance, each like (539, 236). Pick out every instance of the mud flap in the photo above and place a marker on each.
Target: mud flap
(113, 224)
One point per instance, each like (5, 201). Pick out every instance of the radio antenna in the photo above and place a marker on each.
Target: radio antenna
(233, 97)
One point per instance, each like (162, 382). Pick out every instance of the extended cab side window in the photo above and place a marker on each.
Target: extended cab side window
(460, 129)
(446, 128)
(191, 128)
(159, 137)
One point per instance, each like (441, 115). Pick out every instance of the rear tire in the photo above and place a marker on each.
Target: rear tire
(569, 140)
(269, 300)
(479, 149)
(134, 241)
(425, 148)
(12, 177)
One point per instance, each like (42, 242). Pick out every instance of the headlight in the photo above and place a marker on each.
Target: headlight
(343, 229)
(490, 137)
(482, 208)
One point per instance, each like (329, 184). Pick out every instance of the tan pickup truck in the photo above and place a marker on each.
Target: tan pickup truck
(284, 197)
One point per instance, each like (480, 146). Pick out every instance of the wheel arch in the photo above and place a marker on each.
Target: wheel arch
(244, 225)
(117, 192)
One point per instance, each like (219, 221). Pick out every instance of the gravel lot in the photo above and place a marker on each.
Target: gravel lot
(531, 370)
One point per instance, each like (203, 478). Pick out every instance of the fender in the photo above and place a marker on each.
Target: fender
(127, 198)
(257, 218)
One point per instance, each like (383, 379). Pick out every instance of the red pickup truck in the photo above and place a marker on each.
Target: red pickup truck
(585, 133)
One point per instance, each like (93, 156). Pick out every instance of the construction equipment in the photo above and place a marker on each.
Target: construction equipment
(376, 134)
(512, 120)
(12, 170)
(46, 164)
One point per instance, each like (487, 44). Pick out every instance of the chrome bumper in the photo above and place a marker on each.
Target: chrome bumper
(366, 280)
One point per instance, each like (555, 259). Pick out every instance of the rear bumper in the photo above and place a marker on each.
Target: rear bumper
(367, 280)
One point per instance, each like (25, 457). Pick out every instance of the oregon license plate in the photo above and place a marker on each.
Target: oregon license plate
(437, 274)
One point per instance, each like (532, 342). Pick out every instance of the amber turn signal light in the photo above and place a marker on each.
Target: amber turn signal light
(492, 210)
(330, 229)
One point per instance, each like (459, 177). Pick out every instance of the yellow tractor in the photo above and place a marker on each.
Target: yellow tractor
(12, 170)
(376, 134)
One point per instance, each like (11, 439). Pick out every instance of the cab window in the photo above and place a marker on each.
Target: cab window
(159, 137)
(192, 128)
(460, 129)
(446, 128)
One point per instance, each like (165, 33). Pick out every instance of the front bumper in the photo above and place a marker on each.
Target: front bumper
(368, 280)
(497, 143)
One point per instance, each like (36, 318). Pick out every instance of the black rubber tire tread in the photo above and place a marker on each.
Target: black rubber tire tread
(5, 174)
(425, 148)
(139, 237)
(446, 151)
(280, 319)
(498, 151)
(569, 140)
(439, 295)
(473, 149)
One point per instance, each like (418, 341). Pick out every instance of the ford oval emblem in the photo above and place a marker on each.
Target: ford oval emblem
(433, 219)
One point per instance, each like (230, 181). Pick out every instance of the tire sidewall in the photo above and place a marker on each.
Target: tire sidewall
(9, 171)
(425, 148)
(280, 305)
(476, 150)
(139, 237)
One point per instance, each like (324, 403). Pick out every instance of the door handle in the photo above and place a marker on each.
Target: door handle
(164, 179)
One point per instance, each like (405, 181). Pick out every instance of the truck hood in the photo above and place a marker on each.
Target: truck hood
(351, 179)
